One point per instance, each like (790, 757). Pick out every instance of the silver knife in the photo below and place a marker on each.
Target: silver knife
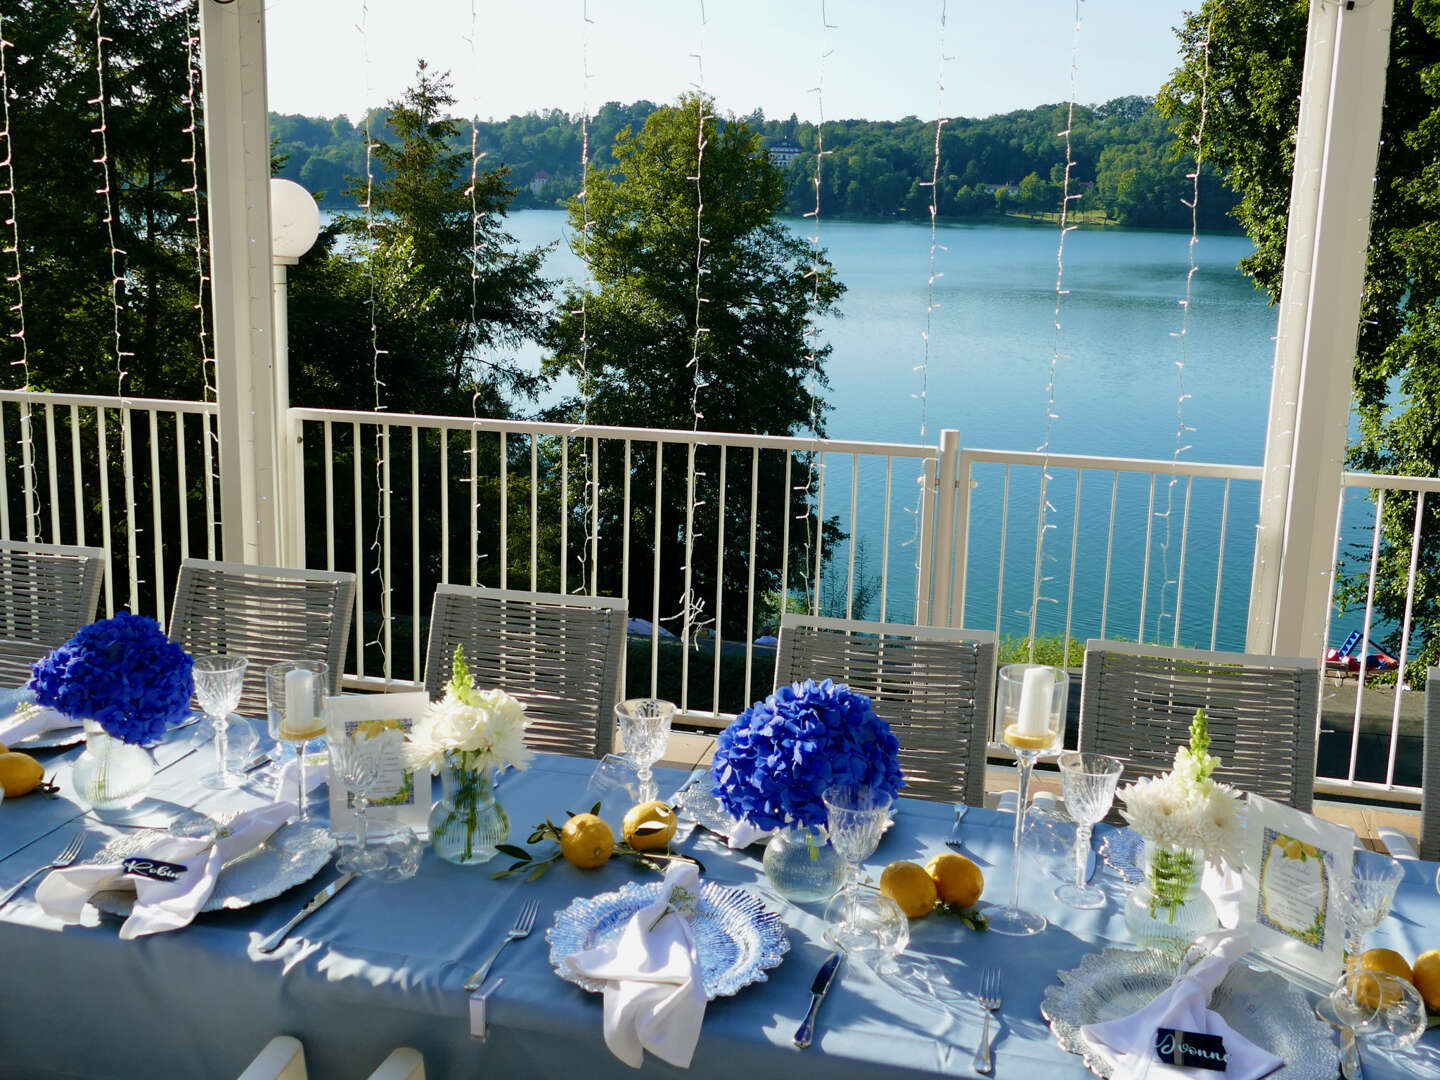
(255, 762)
(823, 978)
(271, 943)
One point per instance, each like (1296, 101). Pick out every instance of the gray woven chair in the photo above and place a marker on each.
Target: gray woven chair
(1137, 702)
(559, 655)
(1430, 771)
(934, 686)
(266, 614)
(47, 592)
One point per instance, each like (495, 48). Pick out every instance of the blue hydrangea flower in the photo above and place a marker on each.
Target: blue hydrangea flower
(777, 758)
(123, 673)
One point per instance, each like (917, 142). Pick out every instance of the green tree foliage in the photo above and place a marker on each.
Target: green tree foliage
(1256, 60)
(632, 348)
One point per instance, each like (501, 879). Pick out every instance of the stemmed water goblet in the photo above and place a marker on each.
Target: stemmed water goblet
(1363, 899)
(219, 681)
(295, 697)
(1030, 704)
(358, 754)
(855, 816)
(644, 730)
(1088, 781)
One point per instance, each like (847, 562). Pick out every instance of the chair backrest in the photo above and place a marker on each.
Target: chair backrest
(266, 614)
(1137, 701)
(559, 655)
(934, 686)
(1430, 771)
(47, 592)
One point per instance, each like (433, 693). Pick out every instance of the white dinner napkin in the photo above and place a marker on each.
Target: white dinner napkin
(162, 904)
(742, 834)
(288, 790)
(654, 996)
(1130, 1040)
(21, 718)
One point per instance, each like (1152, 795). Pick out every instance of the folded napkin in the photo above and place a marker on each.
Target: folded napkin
(1130, 1040)
(21, 718)
(184, 870)
(654, 996)
(742, 834)
(288, 789)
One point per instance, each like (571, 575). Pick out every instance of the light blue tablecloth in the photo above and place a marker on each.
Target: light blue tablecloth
(382, 966)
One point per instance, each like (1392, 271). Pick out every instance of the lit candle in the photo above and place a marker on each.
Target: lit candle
(299, 700)
(1034, 718)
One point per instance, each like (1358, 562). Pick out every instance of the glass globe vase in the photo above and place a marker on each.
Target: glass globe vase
(802, 866)
(111, 774)
(467, 821)
(1167, 910)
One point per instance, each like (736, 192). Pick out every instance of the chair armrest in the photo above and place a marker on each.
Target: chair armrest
(402, 1064)
(1396, 842)
(282, 1059)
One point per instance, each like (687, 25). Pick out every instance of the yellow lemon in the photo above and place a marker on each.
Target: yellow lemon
(910, 886)
(1426, 977)
(1018, 739)
(957, 880)
(586, 841)
(20, 774)
(648, 825)
(1367, 991)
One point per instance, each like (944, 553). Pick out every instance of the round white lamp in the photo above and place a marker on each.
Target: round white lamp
(294, 221)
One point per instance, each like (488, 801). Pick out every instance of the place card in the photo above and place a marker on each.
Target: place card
(1293, 862)
(1191, 1049)
(401, 795)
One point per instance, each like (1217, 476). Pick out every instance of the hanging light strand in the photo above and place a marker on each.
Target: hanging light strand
(588, 519)
(1183, 336)
(698, 382)
(17, 278)
(812, 331)
(1043, 524)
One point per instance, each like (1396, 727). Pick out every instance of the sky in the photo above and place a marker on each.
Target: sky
(882, 58)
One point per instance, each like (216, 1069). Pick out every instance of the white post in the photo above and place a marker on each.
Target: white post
(1336, 145)
(237, 166)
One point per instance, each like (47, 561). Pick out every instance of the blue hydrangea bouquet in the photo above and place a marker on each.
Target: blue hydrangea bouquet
(778, 757)
(124, 674)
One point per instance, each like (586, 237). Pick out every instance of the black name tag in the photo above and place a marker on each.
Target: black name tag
(153, 868)
(1191, 1049)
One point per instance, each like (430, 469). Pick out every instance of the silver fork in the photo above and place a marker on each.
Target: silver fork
(953, 840)
(989, 999)
(524, 923)
(65, 858)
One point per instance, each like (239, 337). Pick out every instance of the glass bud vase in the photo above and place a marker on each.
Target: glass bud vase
(467, 822)
(802, 866)
(111, 774)
(1168, 911)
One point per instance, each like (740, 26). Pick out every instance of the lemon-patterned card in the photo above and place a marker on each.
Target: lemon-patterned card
(400, 794)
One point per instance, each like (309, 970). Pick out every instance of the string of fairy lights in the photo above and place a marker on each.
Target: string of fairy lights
(1183, 337)
(588, 520)
(1043, 524)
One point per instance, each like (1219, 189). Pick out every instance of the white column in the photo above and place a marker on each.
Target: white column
(1343, 90)
(237, 165)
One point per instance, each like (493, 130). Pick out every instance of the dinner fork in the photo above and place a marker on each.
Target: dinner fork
(989, 999)
(65, 858)
(524, 923)
(953, 840)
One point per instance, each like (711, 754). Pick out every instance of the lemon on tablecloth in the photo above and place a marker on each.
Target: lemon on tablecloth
(586, 841)
(958, 881)
(1426, 977)
(647, 813)
(20, 773)
(909, 886)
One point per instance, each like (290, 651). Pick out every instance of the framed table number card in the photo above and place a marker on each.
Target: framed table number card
(400, 795)
(1293, 862)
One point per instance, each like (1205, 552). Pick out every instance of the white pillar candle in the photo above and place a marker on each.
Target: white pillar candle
(1034, 718)
(299, 700)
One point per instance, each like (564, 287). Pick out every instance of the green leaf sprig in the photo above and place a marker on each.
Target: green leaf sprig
(972, 917)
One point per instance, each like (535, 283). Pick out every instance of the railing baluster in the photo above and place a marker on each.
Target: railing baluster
(360, 572)
(885, 541)
(210, 523)
(1000, 570)
(155, 523)
(53, 475)
(686, 599)
(505, 513)
(387, 595)
(594, 517)
(105, 513)
(1145, 573)
(1070, 588)
(127, 470)
(4, 480)
(417, 674)
(329, 464)
(1180, 574)
(564, 513)
(624, 566)
(819, 530)
(854, 495)
(1109, 553)
(535, 511)
(1377, 531)
(655, 582)
(1220, 566)
(473, 517)
(719, 586)
(78, 480)
(1405, 636)
(444, 506)
(785, 537)
(750, 585)
(181, 487)
(27, 469)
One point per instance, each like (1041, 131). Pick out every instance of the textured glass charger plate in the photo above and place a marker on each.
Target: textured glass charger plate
(51, 740)
(1260, 1005)
(696, 801)
(293, 855)
(736, 938)
(1124, 852)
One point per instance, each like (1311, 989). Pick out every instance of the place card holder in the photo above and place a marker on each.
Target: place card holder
(478, 1030)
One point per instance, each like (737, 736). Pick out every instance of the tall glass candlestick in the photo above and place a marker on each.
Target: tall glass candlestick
(1030, 704)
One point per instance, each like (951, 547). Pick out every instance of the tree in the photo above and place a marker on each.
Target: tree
(638, 354)
(1256, 58)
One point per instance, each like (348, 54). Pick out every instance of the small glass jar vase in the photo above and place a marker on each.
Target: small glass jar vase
(802, 866)
(111, 774)
(467, 822)
(1168, 911)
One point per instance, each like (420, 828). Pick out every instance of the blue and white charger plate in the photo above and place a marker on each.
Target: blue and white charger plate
(737, 939)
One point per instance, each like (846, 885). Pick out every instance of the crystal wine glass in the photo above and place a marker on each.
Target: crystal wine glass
(855, 816)
(644, 729)
(1364, 900)
(1384, 1008)
(295, 696)
(219, 681)
(358, 753)
(1089, 784)
(1030, 704)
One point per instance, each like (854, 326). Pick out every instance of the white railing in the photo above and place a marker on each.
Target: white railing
(575, 510)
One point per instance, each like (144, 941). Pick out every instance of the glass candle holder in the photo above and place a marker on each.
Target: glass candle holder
(295, 694)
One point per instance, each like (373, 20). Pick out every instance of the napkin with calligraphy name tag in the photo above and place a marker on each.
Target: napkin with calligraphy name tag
(21, 718)
(1184, 1007)
(654, 995)
(172, 878)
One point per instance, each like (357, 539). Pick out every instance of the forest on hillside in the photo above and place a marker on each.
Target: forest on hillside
(1126, 169)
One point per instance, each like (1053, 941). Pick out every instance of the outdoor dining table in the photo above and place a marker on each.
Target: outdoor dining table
(382, 964)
